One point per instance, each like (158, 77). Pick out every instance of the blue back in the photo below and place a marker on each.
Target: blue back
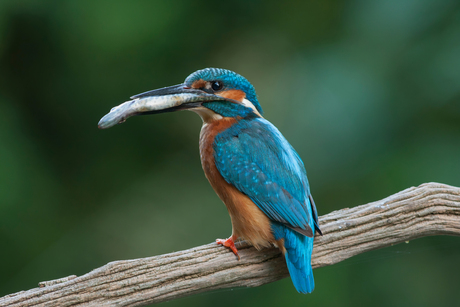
(253, 156)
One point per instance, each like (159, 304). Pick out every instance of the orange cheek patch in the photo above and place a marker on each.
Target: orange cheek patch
(233, 94)
(199, 83)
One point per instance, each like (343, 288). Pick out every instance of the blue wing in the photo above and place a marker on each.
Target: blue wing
(253, 156)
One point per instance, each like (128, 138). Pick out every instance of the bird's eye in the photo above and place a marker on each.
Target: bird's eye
(216, 85)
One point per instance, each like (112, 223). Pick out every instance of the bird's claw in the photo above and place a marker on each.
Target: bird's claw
(230, 244)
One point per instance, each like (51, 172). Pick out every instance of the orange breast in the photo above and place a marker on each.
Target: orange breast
(248, 221)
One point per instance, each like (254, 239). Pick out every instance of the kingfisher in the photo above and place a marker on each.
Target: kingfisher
(251, 166)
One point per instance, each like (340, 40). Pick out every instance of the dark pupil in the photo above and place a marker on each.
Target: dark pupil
(216, 85)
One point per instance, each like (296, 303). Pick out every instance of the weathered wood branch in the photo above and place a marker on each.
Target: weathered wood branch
(427, 210)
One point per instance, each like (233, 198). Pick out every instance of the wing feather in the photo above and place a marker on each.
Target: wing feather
(255, 158)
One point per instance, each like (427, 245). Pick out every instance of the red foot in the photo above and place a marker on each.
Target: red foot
(230, 244)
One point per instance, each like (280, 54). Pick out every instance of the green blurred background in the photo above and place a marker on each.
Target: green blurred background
(368, 92)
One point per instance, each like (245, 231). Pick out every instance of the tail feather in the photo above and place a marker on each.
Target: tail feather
(298, 257)
(301, 278)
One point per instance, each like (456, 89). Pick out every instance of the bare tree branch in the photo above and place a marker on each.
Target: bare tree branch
(427, 210)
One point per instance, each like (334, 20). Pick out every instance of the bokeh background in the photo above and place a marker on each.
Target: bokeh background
(368, 92)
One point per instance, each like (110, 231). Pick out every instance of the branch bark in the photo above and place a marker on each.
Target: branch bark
(427, 210)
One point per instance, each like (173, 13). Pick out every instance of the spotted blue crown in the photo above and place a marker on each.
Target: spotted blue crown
(230, 79)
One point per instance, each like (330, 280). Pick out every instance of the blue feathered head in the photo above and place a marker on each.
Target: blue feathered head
(229, 80)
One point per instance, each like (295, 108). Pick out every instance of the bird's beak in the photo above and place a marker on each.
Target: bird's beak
(167, 99)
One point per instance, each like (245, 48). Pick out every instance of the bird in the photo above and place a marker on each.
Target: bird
(251, 166)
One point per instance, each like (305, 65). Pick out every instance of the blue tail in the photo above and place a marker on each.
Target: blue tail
(298, 257)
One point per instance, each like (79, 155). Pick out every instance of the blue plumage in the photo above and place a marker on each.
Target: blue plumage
(229, 109)
(298, 256)
(248, 162)
(253, 156)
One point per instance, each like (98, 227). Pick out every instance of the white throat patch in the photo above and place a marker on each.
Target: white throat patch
(206, 114)
(249, 104)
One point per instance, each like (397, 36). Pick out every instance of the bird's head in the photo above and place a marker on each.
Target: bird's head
(213, 93)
